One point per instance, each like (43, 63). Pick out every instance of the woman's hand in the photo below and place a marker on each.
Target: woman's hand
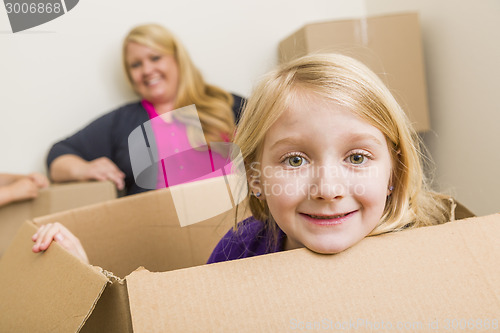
(103, 168)
(48, 233)
(71, 167)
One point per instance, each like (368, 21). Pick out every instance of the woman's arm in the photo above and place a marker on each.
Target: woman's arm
(72, 167)
(87, 154)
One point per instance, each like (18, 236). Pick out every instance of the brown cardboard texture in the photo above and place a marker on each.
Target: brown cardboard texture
(56, 198)
(52, 293)
(390, 45)
(119, 236)
(416, 279)
(411, 281)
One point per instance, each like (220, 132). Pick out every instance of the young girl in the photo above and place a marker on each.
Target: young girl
(330, 159)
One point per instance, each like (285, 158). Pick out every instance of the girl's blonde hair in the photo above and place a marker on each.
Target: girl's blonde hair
(214, 104)
(349, 83)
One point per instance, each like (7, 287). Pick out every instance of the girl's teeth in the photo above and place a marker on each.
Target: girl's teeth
(327, 217)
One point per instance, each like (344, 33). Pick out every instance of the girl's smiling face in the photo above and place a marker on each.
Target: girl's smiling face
(324, 174)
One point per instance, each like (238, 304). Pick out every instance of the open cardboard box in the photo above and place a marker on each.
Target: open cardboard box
(56, 198)
(391, 45)
(422, 279)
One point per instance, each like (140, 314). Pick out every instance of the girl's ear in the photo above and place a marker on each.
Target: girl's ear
(255, 187)
(390, 187)
(389, 190)
(395, 160)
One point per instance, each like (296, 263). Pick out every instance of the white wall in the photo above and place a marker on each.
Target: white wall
(462, 53)
(56, 77)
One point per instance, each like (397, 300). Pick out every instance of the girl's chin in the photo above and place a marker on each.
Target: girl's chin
(327, 245)
(327, 251)
(328, 248)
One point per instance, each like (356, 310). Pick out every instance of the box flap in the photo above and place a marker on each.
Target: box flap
(415, 280)
(111, 313)
(60, 301)
(11, 218)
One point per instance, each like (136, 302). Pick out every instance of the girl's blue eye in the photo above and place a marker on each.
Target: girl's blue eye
(135, 65)
(155, 58)
(295, 161)
(357, 159)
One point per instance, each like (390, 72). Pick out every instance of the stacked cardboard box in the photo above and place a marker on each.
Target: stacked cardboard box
(391, 45)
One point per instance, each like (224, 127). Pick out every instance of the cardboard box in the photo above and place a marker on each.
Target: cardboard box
(428, 277)
(118, 235)
(56, 198)
(390, 45)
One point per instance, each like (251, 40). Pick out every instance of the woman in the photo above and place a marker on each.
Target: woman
(162, 74)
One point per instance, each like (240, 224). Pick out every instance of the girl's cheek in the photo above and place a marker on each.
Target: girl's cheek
(286, 185)
(369, 189)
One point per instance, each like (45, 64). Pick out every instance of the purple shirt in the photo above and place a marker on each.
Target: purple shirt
(251, 238)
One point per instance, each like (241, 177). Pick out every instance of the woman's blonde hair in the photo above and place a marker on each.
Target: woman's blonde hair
(214, 104)
(349, 83)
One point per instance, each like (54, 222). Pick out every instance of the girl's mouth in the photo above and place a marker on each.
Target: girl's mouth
(328, 219)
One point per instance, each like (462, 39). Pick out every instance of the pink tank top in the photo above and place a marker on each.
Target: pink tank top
(180, 162)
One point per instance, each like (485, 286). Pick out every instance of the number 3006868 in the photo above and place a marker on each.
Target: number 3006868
(33, 8)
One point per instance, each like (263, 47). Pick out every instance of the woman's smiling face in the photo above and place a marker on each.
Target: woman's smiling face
(325, 174)
(154, 75)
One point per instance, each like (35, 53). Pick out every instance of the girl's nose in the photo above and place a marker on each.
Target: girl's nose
(328, 183)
